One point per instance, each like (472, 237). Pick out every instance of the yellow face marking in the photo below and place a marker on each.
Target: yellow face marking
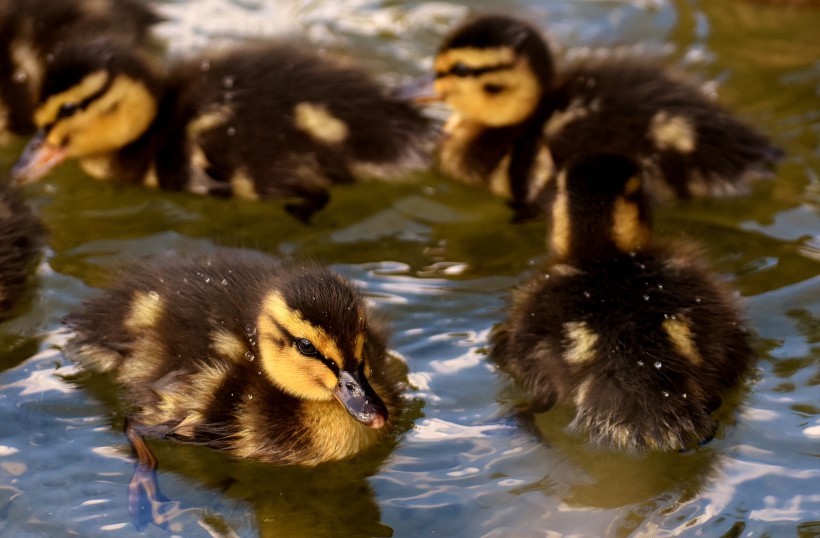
(672, 132)
(474, 58)
(581, 342)
(629, 232)
(243, 186)
(47, 113)
(561, 230)
(112, 121)
(317, 121)
(228, 345)
(679, 331)
(146, 311)
(299, 375)
(520, 90)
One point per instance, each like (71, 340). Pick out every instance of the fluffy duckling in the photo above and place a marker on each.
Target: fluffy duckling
(239, 352)
(638, 336)
(32, 30)
(21, 236)
(263, 120)
(515, 116)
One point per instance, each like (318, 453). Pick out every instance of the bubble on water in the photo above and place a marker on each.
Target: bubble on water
(658, 365)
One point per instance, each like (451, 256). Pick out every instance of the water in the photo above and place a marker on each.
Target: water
(438, 259)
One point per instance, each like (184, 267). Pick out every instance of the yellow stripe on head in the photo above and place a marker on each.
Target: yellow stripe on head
(474, 58)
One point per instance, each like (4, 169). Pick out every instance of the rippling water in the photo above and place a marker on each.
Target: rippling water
(438, 259)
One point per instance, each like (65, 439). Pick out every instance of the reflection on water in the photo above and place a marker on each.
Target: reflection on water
(438, 260)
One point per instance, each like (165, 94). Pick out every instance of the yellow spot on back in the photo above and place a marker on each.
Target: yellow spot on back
(206, 122)
(228, 345)
(679, 331)
(561, 118)
(582, 392)
(672, 132)
(561, 229)
(98, 167)
(499, 181)
(151, 178)
(146, 310)
(629, 232)
(24, 58)
(317, 121)
(243, 186)
(581, 342)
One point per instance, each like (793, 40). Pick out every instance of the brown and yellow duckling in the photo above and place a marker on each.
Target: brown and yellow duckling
(515, 115)
(258, 121)
(21, 237)
(240, 352)
(639, 337)
(32, 30)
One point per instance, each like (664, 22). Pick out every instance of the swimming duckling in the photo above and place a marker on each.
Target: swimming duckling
(239, 352)
(32, 30)
(263, 120)
(515, 116)
(640, 337)
(21, 236)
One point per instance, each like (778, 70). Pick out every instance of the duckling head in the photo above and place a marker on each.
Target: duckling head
(597, 209)
(492, 70)
(313, 341)
(97, 97)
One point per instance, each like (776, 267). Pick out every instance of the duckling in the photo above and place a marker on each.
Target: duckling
(257, 121)
(21, 237)
(242, 353)
(516, 114)
(32, 30)
(639, 336)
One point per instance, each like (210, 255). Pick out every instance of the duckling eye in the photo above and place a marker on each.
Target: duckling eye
(67, 109)
(460, 70)
(493, 89)
(305, 347)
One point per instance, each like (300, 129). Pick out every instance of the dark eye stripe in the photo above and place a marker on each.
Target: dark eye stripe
(461, 70)
(332, 366)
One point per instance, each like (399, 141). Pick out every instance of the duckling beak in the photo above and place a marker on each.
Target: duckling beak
(360, 400)
(420, 90)
(39, 156)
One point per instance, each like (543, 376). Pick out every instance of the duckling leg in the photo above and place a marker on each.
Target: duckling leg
(312, 202)
(146, 503)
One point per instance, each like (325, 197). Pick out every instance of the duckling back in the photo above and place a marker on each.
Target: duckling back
(639, 337)
(242, 353)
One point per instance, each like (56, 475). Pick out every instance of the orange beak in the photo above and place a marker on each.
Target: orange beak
(39, 156)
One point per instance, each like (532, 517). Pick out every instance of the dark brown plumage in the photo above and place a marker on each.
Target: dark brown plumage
(518, 118)
(240, 352)
(639, 337)
(21, 237)
(263, 120)
(31, 30)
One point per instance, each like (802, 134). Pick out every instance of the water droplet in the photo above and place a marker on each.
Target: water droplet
(20, 76)
(640, 362)
(698, 300)
(250, 330)
(673, 317)
(207, 280)
(646, 297)
(153, 295)
(642, 265)
(658, 365)
(228, 82)
(666, 316)
(249, 356)
(185, 279)
(665, 394)
(546, 276)
(250, 396)
(586, 295)
(683, 395)
(205, 65)
(224, 282)
(231, 131)
(660, 286)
